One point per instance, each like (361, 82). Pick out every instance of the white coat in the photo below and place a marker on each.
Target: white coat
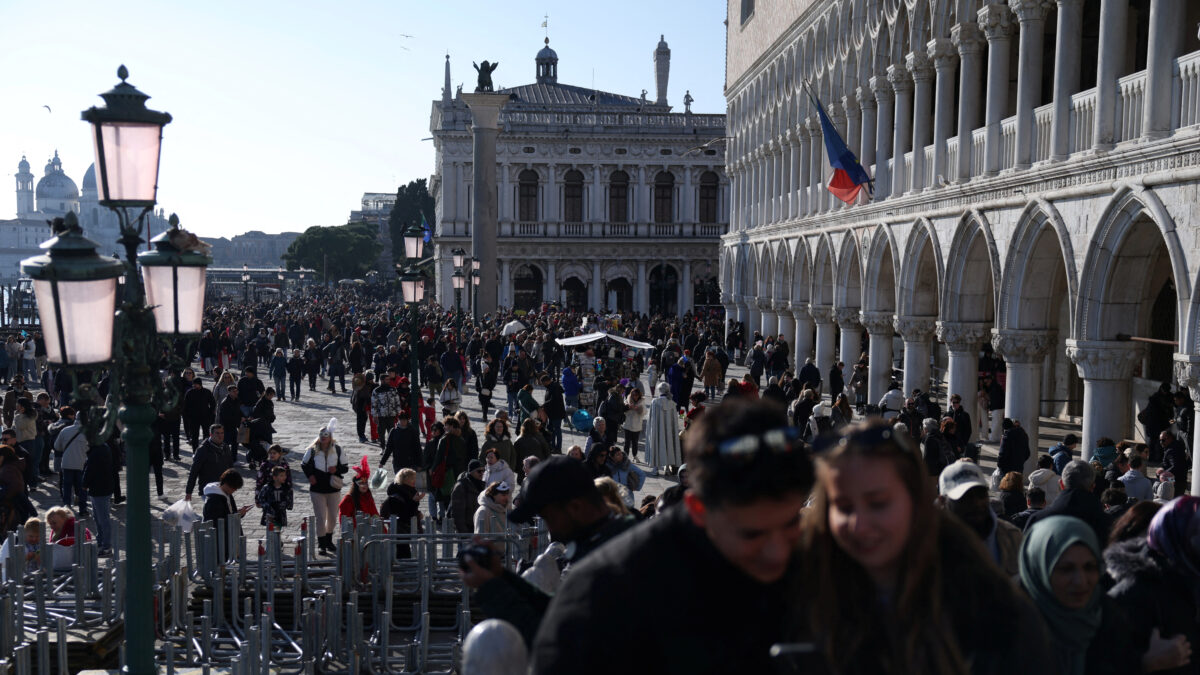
(662, 430)
(500, 471)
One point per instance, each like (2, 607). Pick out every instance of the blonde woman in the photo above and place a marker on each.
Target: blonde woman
(324, 466)
(221, 388)
(450, 398)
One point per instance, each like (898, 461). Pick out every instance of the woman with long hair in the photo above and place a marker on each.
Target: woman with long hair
(888, 571)
(842, 414)
(450, 398)
(635, 417)
(324, 466)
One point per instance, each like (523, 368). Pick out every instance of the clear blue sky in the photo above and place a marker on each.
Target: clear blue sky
(286, 112)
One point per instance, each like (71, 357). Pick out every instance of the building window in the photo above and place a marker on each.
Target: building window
(664, 197)
(710, 187)
(573, 197)
(747, 10)
(618, 197)
(527, 196)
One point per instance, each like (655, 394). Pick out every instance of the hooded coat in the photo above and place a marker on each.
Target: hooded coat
(464, 499)
(500, 471)
(1154, 594)
(662, 430)
(490, 517)
(217, 504)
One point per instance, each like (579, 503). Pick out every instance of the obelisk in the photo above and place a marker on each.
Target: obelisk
(485, 115)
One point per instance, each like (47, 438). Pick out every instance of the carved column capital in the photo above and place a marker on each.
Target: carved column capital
(996, 21)
(765, 305)
(915, 328)
(877, 323)
(942, 52)
(967, 38)
(1030, 10)
(963, 337)
(782, 307)
(821, 313)
(1187, 374)
(900, 79)
(919, 66)
(790, 137)
(866, 97)
(1022, 346)
(800, 311)
(847, 318)
(850, 103)
(882, 89)
(1104, 360)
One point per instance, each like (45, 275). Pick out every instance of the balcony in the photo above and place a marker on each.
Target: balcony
(541, 230)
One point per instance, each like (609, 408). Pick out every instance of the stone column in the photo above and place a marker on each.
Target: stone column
(885, 101)
(962, 348)
(506, 293)
(917, 332)
(1066, 74)
(853, 124)
(816, 172)
(803, 344)
(866, 101)
(1106, 368)
(996, 22)
(596, 288)
(823, 317)
(645, 196)
(804, 175)
(902, 84)
(1024, 352)
(921, 70)
(787, 325)
(687, 212)
(485, 113)
(551, 294)
(969, 40)
(941, 52)
(851, 339)
(730, 313)
(553, 212)
(1032, 16)
(754, 322)
(1165, 34)
(793, 210)
(506, 196)
(770, 322)
(1111, 60)
(743, 317)
(687, 293)
(1187, 374)
(596, 203)
(879, 358)
(641, 292)
(838, 119)
(735, 196)
(769, 153)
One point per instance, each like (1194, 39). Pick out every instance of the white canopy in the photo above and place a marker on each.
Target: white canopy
(512, 327)
(599, 335)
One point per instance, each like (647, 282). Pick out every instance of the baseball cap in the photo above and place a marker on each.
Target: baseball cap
(958, 478)
(553, 481)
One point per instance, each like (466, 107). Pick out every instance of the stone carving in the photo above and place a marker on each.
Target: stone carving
(900, 78)
(877, 323)
(942, 52)
(919, 65)
(687, 101)
(1022, 346)
(821, 314)
(996, 22)
(967, 38)
(1030, 10)
(1187, 373)
(1105, 360)
(915, 328)
(963, 337)
(485, 71)
(847, 318)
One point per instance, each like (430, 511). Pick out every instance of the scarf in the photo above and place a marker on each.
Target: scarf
(1072, 629)
(1175, 535)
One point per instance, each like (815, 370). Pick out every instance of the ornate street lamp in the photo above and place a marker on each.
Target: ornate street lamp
(459, 256)
(413, 237)
(77, 295)
(459, 281)
(412, 288)
(245, 284)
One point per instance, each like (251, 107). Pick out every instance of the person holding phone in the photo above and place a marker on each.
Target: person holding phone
(219, 503)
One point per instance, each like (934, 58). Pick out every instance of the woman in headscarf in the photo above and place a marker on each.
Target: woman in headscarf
(1157, 582)
(324, 467)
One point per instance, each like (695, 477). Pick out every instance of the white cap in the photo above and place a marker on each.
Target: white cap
(958, 478)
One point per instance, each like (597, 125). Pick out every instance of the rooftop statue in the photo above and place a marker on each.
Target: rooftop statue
(485, 76)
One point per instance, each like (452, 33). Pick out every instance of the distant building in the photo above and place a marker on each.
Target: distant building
(377, 210)
(254, 248)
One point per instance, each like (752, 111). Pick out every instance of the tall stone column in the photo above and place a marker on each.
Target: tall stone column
(754, 322)
(1032, 16)
(996, 22)
(962, 348)
(553, 212)
(917, 332)
(730, 313)
(1187, 374)
(1106, 368)
(783, 162)
(851, 339)
(945, 58)
(743, 317)
(787, 325)
(802, 347)
(770, 151)
(595, 212)
(686, 292)
(1163, 46)
(823, 317)
(770, 323)
(853, 124)
(735, 177)
(506, 293)
(879, 358)
(596, 289)
(885, 101)
(921, 70)
(485, 115)
(641, 293)
(1024, 352)
(687, 198)
(968, 39)
(551, 294)
(506, 213)
(902, 84)
(866, 155)
(794, 175)
(816, 172)
(645, 197)
(804, 176)
(1110, 61)
(1066, 74)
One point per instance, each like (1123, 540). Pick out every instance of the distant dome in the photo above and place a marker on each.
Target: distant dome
(23, 166)
(547, 65)
(547, 53)
(56, 185)
(89, 179)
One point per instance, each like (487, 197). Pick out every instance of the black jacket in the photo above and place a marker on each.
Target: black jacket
(1014, 450)
(229, 414)
(98, 476)
(554, 404)
(1153, 595)
(209, 462)
(1079, 503)
(199, 405)
(463, 502)
(404, 447)
(249, 390)
(666, 562)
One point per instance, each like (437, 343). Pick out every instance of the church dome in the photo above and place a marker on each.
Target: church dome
(547, 53)
(89, 179)
(56, 185)
(23, 166)
(547, 65)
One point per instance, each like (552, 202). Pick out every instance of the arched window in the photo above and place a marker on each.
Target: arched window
(527, 196)
(710, 187)
(618, 197)
(573, 197)
(664, 197)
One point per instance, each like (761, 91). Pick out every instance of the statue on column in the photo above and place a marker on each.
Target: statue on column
(485, 75)
(687, 101)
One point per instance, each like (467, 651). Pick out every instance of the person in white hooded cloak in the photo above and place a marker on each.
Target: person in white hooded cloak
(662, 431)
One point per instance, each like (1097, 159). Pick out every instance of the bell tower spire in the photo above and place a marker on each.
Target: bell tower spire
(446, 95)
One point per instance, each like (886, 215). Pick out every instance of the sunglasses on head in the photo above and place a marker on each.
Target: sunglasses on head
(781, 440)
(871, 435)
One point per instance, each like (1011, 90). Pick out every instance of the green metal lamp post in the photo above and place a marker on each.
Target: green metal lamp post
(475, 264)
(76, 291)
(412, 287)
(459, 282)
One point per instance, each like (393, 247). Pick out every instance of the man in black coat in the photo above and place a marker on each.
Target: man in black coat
(700, 546)
(1175, 460)
(1014, 447)
(250, 388)
(810, 376)
(210, 460)
(1077, 499)
(613, 412)
(962, 420)
(403, 445)
(199, 411)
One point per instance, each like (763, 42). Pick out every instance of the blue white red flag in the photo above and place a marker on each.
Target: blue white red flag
(849, 176)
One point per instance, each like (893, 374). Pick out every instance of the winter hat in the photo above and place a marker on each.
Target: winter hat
(474, 465)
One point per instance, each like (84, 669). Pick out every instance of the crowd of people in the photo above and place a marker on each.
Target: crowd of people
(810, 530)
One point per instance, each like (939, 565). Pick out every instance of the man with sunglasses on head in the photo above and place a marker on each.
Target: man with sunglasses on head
(728, 552)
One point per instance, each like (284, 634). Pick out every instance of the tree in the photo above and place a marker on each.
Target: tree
(341, 251)
(412, 201)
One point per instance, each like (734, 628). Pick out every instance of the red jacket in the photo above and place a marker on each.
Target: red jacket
(366, 504)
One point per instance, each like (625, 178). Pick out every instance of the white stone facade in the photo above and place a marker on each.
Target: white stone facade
(1063, 224)
(605, 201)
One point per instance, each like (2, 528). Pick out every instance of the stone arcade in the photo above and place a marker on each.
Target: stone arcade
(1036, 166)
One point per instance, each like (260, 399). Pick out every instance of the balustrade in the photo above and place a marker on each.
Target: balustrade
(1083, 120)
(1043, 122)
(1129, 110)
(1186, 91)
(1008, 143)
